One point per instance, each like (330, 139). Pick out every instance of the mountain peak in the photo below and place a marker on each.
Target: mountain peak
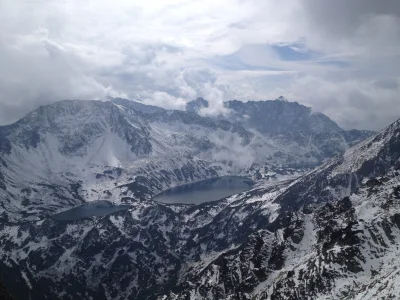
(77, 124)
(282, 98)
(196, 105)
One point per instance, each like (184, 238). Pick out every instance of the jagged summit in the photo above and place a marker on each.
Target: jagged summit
(196, 105)
(282, 98)
(280, 116)
(273, 116)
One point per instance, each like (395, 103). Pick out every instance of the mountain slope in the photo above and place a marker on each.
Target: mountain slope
(345, 249)
(344, 174)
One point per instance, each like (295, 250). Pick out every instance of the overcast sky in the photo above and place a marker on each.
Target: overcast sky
(340, 57)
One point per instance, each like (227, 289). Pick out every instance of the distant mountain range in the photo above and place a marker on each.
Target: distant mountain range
(327, 233)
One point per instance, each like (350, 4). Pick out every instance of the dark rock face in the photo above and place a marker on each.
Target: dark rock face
(2, 183)
(5, 145)
(355, 136)
(4, 294)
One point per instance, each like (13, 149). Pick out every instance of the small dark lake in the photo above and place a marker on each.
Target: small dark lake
(87, 210)
(206, 190)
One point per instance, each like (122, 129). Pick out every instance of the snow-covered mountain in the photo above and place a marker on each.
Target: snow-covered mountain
(280, 117)
(69, 152)
(298, 238)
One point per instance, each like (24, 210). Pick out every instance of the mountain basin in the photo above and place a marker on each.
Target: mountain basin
(206, 190)
(97, 208)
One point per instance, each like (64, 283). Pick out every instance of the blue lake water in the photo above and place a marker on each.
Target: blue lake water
(90, 209)
(206, 190)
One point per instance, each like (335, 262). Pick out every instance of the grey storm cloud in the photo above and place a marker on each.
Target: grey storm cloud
(343, 18)
(167, 52)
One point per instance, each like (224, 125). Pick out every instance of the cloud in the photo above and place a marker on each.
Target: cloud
(165, 100)
(352, 103)
(340, 57)
(37, 71)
